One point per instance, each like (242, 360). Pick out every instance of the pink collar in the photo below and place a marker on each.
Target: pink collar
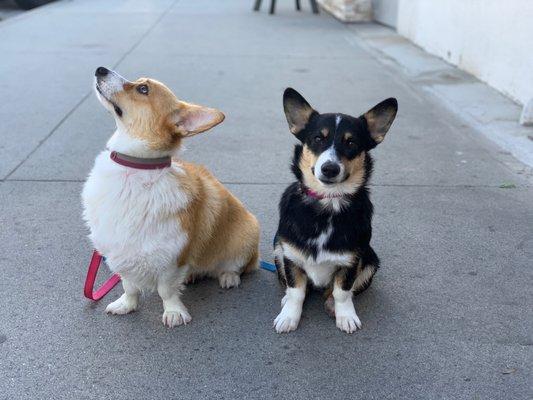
(140, 163)
(318, 196)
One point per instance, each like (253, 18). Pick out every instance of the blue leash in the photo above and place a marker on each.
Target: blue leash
(268, 266)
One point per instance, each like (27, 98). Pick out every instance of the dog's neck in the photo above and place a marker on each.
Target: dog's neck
(322, 196)
(124, 143)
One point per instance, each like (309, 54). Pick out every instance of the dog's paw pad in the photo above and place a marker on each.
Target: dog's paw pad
(174, 318)
(121, 306)
(348, 323)
(229, 279)
(285, 323)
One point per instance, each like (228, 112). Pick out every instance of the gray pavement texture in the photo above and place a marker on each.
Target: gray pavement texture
(449, 314)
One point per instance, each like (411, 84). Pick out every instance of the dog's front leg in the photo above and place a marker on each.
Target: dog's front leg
(169, 285)
(292, 303)
(126, 303)
(345, 316)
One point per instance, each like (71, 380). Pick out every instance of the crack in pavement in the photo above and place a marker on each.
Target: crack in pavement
(414, 185)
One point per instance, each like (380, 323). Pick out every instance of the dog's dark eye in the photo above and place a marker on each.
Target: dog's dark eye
(318, 139)
(142, 89)
(350, 143)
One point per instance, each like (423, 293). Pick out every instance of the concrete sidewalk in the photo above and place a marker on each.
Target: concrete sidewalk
(447, 316)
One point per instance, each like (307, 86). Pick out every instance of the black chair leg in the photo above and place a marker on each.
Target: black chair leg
(314, 6)
(272, 6)
(257, 5)
(298, 8)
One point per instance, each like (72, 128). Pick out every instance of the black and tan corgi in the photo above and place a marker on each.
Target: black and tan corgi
(323, 238)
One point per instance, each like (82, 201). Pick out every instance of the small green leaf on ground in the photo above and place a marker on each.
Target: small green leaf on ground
(507, 185)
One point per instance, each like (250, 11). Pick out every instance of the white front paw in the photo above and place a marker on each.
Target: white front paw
(175, 318)
(287, 320)
(348, 323)
(123, 305)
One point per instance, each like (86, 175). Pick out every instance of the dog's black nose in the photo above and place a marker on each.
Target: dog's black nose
(330, 169)
(101, 71)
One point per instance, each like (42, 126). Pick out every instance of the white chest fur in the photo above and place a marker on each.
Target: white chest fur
(319, 270)
(132, 215)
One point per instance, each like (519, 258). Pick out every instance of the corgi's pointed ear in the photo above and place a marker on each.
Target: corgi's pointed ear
(191, 119)
(380, 117)
(297, 110)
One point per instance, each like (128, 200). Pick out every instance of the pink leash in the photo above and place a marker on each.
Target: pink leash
(96, 260)
(94, 265)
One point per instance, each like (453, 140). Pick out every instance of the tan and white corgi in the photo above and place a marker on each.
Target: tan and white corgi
(158, 221)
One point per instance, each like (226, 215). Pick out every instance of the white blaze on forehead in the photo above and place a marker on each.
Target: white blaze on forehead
(328, 155)
(337, 121)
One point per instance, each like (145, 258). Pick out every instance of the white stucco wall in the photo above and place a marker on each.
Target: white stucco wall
(386, 12)
(492, 39)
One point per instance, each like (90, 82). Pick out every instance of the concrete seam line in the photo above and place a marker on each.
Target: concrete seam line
(46, 180)
(86, 96)
(145, 34)
(52, 131)
(464, 186)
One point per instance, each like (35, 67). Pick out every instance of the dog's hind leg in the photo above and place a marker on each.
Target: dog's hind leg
(329, 305)
(194, 277)
(278, 261)
(229, 274)
(128, 302)
(253, 263)
(367, 268)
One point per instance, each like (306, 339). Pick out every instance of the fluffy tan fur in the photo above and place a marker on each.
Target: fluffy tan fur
(218, 225)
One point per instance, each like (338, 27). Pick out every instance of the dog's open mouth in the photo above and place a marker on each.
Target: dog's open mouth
(117, 109)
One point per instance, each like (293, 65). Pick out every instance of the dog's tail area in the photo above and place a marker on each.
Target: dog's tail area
(253, 264)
